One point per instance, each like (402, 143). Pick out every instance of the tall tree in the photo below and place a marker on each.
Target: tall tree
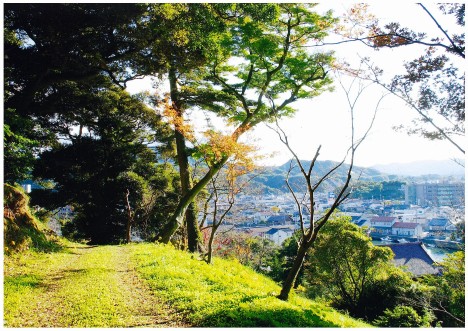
(346, 263)
(190, 35)
(272, 73)
(185, 32)
(107, 173)
(48, 47)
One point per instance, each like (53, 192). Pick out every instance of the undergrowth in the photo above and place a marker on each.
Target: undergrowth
(22, 230)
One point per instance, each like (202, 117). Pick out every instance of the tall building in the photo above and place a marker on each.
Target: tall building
(435, 194)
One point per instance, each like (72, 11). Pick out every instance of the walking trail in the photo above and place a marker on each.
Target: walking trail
(85, 287)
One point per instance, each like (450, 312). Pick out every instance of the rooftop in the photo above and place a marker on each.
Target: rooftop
(405, 225)
(382, 219)
(438, 222)
(414, 258)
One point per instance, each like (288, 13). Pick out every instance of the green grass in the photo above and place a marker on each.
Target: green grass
(227, 294)
(26, 283)
(81, 286)
(147, 285)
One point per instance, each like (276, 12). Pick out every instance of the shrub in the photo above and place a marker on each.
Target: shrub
(22, 231)
(404, 316)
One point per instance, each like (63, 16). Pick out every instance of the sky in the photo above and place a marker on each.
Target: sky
(325, 120)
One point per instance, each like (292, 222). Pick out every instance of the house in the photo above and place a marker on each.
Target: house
(278, 235)
(414, 258)
(438, 224)
(280, 220)
(364, 220)
(407, 229)
(305, 215)
(257, 231)
(382, 225)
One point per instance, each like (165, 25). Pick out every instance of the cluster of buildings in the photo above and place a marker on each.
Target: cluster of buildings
(276, 217)
(435, 194)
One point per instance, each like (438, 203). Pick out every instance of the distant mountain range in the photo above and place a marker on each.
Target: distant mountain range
(421, 168)
(272, 179)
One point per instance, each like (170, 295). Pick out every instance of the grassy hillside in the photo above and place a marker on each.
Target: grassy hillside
(147, 285)
(272, 179)
(50, 282)
(226, 294)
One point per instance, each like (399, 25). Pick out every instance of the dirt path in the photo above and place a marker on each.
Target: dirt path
(147, 310)
(87, 287)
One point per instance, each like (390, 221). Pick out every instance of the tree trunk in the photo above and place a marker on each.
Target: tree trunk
(128, 231)
(177, 218)
(292, 275)
(209, 254)
(194, 236)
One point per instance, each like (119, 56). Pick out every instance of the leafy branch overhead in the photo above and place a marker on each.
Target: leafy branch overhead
(258, 71)
(434, 84)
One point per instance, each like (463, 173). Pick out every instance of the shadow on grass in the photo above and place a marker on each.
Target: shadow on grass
(261, 315)
(23, 281)
(86, 247)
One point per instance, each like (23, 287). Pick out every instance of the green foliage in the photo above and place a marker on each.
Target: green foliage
(345, 262)
(403, 317)
(346, 269)
(53, 54)
(283, 261)
(379, 190)
(446, 293)
(94, 173)
(225, 294)
(20, 142)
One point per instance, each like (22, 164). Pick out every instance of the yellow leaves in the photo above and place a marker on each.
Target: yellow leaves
(220, 146)
(181, 37)
(356, 21)
(175, 118)
(214, 146)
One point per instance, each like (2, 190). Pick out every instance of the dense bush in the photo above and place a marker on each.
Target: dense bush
(404, 317)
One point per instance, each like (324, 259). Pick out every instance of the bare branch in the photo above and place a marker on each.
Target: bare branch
(454, 47)
(299, 207)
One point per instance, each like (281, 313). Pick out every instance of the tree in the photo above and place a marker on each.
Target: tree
(49, 48)
(273, 73)
(223, 191)
(403, 317)
(433, 84)
(284, 261)
(186, 32)
(254, 252)
(308, 235)
(110, 171)
(446, 295)
(345, 263)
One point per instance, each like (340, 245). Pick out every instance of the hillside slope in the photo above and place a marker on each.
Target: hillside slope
(148, 285)
(21, 230)
(272, 179)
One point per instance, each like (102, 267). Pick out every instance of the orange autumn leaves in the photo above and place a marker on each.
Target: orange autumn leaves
(213, 146)
(359, 23)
